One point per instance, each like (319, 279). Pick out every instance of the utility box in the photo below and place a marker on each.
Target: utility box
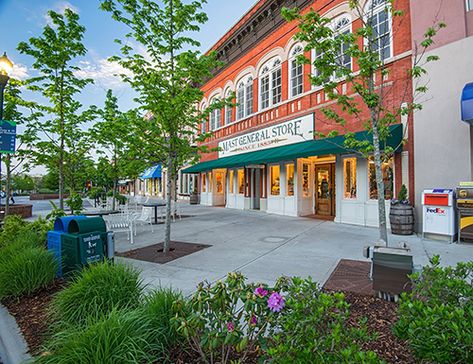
(391, 270)
(438, 210)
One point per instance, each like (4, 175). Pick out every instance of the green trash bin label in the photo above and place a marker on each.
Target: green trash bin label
(93, 248)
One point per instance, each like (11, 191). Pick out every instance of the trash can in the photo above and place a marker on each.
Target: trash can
(85, 243)
(54, 238)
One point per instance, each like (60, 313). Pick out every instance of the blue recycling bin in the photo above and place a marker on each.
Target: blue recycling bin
(61, 227)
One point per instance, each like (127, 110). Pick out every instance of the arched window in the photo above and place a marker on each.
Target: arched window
(245, 98)
(379, 19)
(343, 26)
(215, 116)
(296, 72)
(271, 84)
(228, 109)
(203, 126)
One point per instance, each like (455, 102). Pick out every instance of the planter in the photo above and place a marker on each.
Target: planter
(24, 211)
(194, 199)
(46, 196)
(402, 220)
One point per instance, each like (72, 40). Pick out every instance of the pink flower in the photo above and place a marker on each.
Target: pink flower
(230, 326)
(261, 292)
(276, 302)
(253, 320)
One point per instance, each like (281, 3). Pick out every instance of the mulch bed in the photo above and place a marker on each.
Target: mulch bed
(31, 314)
(351, 276)
(154, 253)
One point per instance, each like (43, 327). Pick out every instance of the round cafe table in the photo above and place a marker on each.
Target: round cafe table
(101, 213)
(155, 205)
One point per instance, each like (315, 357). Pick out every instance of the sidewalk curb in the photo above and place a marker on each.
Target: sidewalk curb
(13, 348)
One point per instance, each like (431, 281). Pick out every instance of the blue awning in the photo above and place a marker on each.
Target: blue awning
(467, 103)
(153, 172)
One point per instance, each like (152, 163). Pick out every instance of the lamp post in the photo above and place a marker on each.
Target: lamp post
(6, 67)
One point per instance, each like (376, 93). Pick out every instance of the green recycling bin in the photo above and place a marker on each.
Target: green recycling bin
(84, 244)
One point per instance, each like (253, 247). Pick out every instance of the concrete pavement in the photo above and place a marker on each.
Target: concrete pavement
(264, 247)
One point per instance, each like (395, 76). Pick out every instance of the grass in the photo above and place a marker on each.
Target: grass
(24, 269)
(97, 291)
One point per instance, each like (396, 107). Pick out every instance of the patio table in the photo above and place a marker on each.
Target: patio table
(155, 205)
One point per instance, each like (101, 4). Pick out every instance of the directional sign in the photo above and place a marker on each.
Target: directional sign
(7, 136)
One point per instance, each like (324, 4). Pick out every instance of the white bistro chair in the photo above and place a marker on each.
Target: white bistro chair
(145, 218)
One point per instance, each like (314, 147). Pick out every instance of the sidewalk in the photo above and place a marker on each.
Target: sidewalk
(264, 247)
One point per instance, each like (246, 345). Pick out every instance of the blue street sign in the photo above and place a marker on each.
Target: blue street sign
(7, 136)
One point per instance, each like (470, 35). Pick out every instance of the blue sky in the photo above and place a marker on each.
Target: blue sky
(22, 19)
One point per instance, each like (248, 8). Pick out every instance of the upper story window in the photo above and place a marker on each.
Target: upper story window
(271, 84)
(245, 98)
(215, 116)
(343, 26)
(228, 109)
(203, 126)
(296, 72)
(379, 19)
(469, 5)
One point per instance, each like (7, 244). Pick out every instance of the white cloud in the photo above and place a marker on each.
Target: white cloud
(106, 74)
(60, 7)
(19, 72)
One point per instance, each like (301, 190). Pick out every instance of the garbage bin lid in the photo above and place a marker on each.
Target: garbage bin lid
(62, 223)
(87, 225)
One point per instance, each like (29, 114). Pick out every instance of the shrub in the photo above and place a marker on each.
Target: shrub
(23, 270)
(313, 329)
(117, 337)
(228, 318)
(15, 228)
(436, 316)
(11, 226)
(75, 203)
(96, 291)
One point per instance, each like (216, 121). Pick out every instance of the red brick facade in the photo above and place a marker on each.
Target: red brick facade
(279, 43)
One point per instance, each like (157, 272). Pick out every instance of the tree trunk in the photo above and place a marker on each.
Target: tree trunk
(383, 231)
(114, 194)
(167, 235)
(8, 185)
(61, 177)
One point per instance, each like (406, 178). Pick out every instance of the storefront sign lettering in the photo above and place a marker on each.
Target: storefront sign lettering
(290, 132)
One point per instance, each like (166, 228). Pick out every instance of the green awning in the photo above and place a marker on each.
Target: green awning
(293, 151)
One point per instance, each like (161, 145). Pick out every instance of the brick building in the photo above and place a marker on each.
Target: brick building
(268, 157)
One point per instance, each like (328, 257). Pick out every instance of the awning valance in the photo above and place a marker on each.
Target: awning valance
(153, 172)
(467, 103)
(294, 151)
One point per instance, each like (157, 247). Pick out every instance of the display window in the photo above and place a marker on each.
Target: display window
(275, 173)
(290, 179)
(219, 177)
(305, 180)
(241, 181)
(387, 168)
(210, 187)
(230, 180)
(349, 178)
(204, 182)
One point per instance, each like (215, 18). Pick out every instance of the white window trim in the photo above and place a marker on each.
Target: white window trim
(217, 124)
(347, 199)
(292, 56)
(226, 109)
(469, 5)
(368, 187)
(243, 83)
(271, 69)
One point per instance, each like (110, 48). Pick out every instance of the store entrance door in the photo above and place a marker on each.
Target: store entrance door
(325, 191)
(255, 188)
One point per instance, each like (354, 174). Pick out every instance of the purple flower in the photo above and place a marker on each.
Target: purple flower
(230, 326)
(261, 292)
(276, 302)
(253, 320)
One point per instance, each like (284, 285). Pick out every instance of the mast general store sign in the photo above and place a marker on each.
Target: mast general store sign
(290, 132)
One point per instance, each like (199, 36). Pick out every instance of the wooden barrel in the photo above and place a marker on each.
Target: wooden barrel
(402, 219)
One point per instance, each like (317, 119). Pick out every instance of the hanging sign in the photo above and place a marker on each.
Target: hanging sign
(290, 132)
(7, 136)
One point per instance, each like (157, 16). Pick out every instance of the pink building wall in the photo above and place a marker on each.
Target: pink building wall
(425, 13)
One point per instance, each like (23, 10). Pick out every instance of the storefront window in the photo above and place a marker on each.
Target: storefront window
(305, 180)
(230, 181)
(290, 179)
(388, 179)
(210, 182)
(219, 181)
(275, 181)
(204, 182)
(241, 181)
(349, 178)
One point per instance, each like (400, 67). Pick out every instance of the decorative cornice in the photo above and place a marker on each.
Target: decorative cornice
(258, 26)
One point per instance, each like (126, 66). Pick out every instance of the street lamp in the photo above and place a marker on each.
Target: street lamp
(6, 67)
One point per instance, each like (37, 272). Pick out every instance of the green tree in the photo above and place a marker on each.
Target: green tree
(22, 182)
(369, 99)
(55, 53)
(166, 80)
